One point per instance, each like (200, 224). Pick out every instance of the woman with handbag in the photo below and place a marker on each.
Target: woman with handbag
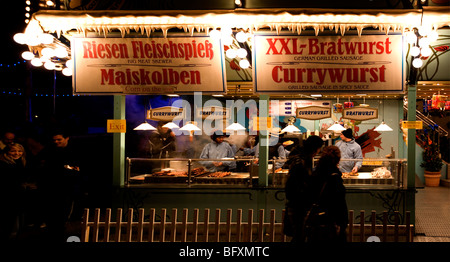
(300, 172)
(328, 196)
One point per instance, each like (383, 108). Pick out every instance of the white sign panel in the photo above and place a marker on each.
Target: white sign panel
(286, 64)
(148, 65)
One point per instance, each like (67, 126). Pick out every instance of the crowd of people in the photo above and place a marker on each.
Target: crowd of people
(42, 190)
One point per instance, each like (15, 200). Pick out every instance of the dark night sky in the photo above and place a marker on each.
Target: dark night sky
(13, 21)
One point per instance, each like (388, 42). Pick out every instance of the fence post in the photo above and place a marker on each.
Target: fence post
(249, 224)
(130, 224)
(408, 227)
(85, 226)
(374, 222)
(206, 224)
(195, 225)
(96, 225)
(238, 225)
(107, 225)
(385, 222)
(261, 225)
(162, 231)
(184, 223)
(396, 226)
(229, 218)
(361, 228)
(350, 225)
(283, 214)
(118, 224)
(272, 226)
(173, 232)
(151, 226)
(140, 224)
(217, 225)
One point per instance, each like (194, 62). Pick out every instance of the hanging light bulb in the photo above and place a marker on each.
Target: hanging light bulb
(383, 127)
(45, 39)
(67, 71)
(171, 125)
(424, 42)
(48, 52)
(424, 30)
(241, 37)
(415, 51)
(20, 38)
(244, 64)
(417, 62)
(61, 52)
(290, 128)
(49, 65)
(433, 36)
(336, 127)
(231, 53)
(144, 126)
(27, 55)
(242, 53)
(69, 63)
(411, 37)
(36, 62)
(214, 34)
(189, 127)
(235, 127)
(426, 51)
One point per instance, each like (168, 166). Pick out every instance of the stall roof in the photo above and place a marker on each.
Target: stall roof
(147, 21)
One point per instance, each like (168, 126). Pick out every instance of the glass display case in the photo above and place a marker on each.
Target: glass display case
(243, 172)
(374, 173)
(191, 172)
(377, 173)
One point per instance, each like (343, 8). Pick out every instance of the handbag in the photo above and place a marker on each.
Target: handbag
(318, 226)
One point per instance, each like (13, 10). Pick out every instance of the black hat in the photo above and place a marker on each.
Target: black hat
(348, 133)
(218, 133)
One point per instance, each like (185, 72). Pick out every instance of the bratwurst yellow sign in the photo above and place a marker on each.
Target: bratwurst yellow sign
(148, 65)
(285, 64)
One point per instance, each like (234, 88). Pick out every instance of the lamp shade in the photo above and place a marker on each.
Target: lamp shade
(235, 127)
(290, 129)
(336, 127)
(383, 127)
(190, 127)
(144, 126)
(171, 125)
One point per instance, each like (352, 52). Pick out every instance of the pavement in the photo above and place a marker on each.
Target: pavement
(432, 214)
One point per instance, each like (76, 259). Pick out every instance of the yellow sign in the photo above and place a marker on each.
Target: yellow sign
(412, 125)
(262, 123)
(116, 125)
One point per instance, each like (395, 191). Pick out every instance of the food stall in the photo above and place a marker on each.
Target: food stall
(295, 53)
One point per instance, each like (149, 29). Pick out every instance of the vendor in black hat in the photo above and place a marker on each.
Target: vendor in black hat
(349, 150)
(218, 149)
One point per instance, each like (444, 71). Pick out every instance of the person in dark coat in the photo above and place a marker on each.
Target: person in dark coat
(61, 184)
(300, 171)
(14, 177)
(332, 201)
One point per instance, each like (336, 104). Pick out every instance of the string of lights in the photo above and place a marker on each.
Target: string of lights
(12, 65)
(19, 93)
